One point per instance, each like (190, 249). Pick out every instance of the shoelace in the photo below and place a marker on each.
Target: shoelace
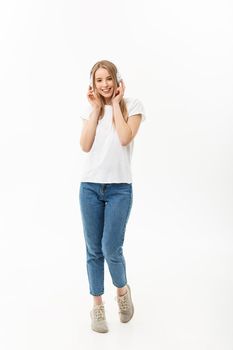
(123, 302)
(99, 313)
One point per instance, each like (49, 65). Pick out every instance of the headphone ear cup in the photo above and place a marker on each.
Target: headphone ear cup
(119, 78)
(91, 82)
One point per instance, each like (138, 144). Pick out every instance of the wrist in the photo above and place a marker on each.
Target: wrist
(96, 109)
(115, 103)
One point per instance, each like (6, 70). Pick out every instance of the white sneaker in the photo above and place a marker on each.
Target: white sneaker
(98, 320)
(126, 308)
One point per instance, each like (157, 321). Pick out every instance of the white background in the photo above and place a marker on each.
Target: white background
(176, 57)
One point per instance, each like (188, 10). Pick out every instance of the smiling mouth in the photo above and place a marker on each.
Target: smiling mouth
(106, 90)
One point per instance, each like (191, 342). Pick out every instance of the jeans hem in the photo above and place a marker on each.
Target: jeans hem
(96, 295)
(120, 286)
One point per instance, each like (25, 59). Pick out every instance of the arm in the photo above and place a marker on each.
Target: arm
(126, 131)
(89, 126)
(89, 131)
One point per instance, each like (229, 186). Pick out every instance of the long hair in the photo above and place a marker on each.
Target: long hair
(112, 70)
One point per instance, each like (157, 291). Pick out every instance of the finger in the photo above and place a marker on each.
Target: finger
(90, 93)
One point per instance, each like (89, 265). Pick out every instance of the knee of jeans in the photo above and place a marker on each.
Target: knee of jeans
(94, 253)
(112, 254)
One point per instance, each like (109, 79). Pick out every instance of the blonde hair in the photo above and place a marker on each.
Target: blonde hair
(112, 70)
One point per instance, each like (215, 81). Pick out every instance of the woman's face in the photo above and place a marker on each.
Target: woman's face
(104, 84)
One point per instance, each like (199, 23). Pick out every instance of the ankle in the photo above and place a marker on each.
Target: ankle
(121, 291)
(97, 300)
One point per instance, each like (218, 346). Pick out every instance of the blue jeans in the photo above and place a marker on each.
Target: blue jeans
(105, 210)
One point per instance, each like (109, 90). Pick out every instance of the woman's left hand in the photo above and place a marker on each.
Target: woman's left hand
(119, 93)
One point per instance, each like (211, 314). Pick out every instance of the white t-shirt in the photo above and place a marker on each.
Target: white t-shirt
(108, 161)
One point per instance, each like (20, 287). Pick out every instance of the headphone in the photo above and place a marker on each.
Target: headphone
(118, 77)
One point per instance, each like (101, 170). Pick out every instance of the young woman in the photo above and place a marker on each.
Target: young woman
(106, 193)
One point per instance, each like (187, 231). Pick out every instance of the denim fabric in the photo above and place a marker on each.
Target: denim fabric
(105, 210)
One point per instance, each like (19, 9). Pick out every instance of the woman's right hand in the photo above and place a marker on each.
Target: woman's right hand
(93, 99)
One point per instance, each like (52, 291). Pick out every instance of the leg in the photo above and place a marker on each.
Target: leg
(118, 206)
(92, 212)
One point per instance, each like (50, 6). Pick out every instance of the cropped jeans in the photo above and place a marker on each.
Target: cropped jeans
(105, 210)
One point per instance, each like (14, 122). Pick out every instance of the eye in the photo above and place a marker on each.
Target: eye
(110, 78)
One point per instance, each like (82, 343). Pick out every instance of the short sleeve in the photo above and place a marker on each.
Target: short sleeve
(134, 107)
(85, 111)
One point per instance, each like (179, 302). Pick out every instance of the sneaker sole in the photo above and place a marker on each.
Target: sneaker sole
(95, 330)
